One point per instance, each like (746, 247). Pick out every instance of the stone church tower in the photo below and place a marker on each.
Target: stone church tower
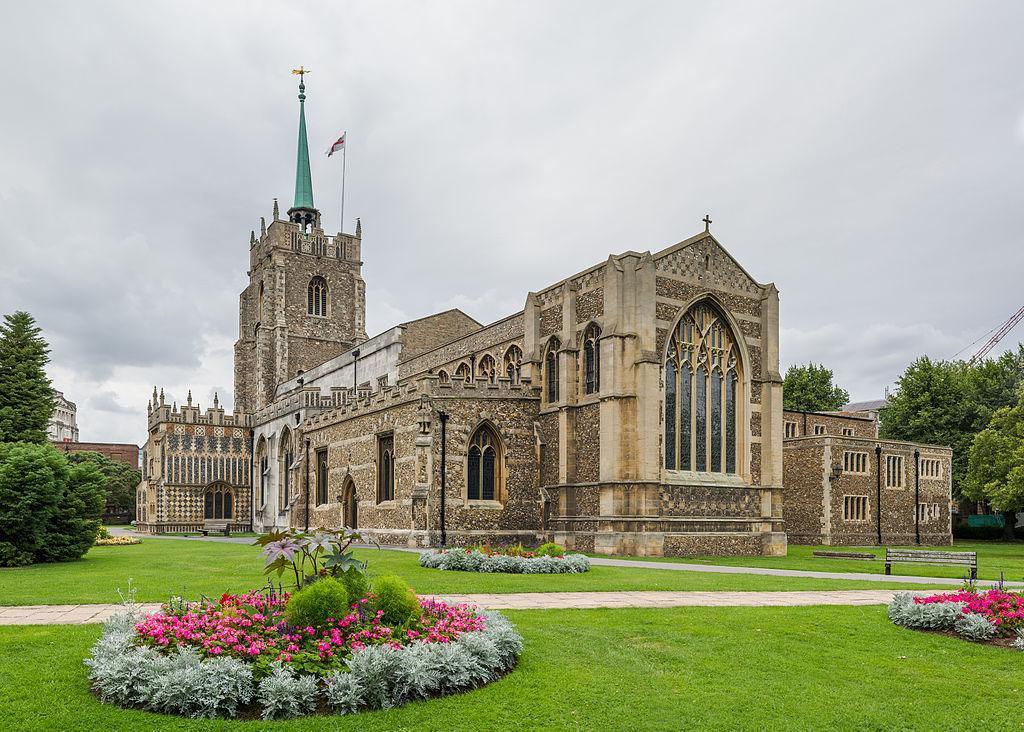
(306, 299)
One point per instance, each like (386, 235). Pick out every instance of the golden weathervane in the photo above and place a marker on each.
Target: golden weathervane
(300, 72)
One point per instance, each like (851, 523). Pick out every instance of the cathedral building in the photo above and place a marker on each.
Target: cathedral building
(633, 407)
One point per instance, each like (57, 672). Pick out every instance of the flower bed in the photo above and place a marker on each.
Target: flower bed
(118, 541)
(993, 616)
(240, 657)
(474, 560)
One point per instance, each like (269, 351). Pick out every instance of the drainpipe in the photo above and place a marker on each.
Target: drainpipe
(805, 425)
(878, 499)
(355, 371)
(443, 416)
(252, 464)
(917, 496)
(306, 471)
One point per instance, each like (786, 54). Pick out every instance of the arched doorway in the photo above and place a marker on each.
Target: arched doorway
(350, 504)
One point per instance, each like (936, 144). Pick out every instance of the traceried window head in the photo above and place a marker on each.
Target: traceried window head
(463, 373)
(551, 370)
(591, 360)
(316, 297)
(483, 465)
(512, 364)
(486, 370)
(443, 377)
(702, 393)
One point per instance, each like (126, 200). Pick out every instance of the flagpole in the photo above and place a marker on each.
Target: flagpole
(344, 160)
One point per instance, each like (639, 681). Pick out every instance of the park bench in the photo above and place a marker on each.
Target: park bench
(217, 526)
(845, 555)
(920, 556)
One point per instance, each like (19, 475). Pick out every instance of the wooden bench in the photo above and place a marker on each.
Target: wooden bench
(845, 555)
(920, 556)
(215, 525)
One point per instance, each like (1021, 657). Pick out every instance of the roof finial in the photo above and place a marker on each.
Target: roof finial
(162, 396)
(359, 228)
(277, 214)
(707, 223)
(252, 236)
(190, 397)
(263, 227)
(216, 401)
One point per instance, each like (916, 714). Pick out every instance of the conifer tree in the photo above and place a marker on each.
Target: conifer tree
(26, 396)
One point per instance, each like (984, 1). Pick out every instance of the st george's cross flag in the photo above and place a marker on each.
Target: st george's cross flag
(338, 145)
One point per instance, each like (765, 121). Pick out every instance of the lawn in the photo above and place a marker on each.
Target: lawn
(993, 558)
(683, 668)
(162, 567)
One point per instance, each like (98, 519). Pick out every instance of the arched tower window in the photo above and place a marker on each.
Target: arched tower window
(551, 370)
(316, 297)
(483, 469)
(486, 369)
(512, 364)
(462, 373)
(217, 502)
(702, 385)
(386, 467)
(591, 360)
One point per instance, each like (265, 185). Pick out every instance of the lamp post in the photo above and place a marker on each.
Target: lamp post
(443, 416)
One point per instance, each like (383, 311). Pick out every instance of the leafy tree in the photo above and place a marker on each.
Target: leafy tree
(120, 480)
(49, 509)
(810, 389)
(949, 402)
(996, 464)
(26, 397)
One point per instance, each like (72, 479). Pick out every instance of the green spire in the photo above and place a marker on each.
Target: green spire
(303, 180)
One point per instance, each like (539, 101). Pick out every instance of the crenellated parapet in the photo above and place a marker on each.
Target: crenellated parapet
(159, 411)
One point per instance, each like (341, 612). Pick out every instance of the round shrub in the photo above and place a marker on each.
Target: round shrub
(550, 549)
(396, 600)
(313, 605)
(356, 584)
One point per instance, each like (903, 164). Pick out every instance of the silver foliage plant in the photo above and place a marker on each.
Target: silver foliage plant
(378, 677)
(286, 695)
(974, 627)
(1018, 642)
(476, 561)
(928, 616)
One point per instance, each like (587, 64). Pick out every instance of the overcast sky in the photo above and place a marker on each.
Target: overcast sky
(866, 157)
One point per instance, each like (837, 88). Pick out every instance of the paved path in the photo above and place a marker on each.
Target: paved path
(672, 566)
(81, 614)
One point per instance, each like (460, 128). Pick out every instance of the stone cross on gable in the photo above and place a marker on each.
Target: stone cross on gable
(707, 222)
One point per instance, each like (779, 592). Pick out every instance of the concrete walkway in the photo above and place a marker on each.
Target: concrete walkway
(641, 564)
(82, 614)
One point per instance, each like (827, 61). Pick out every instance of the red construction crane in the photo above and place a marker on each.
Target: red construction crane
(998, 335)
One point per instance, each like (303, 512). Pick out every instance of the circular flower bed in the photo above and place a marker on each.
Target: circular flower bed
(993, 616)
(242, 657)
(474, 560)
(118, 541)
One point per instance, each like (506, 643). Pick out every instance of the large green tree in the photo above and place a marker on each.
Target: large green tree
(49, 509)
(949, 402)
(810, 389)
(120, 480)
(996, 464)
(26, 396)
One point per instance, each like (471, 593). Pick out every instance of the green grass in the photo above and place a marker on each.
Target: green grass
(993, 557)
(162, 567)
(684, 668)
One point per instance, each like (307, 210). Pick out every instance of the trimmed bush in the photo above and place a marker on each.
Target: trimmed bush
(929, 616)
(313, 605)
(461, 560)
(396, 600)
(356, 584)
(550, 549)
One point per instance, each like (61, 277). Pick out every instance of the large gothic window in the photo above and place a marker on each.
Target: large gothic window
(483, 465)
(316, 297)
(285, 470)
(702, 382)
(322, 477)
(486, 369)
(591, 360)
(217, 502)
(513, 363)
(551, 370)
